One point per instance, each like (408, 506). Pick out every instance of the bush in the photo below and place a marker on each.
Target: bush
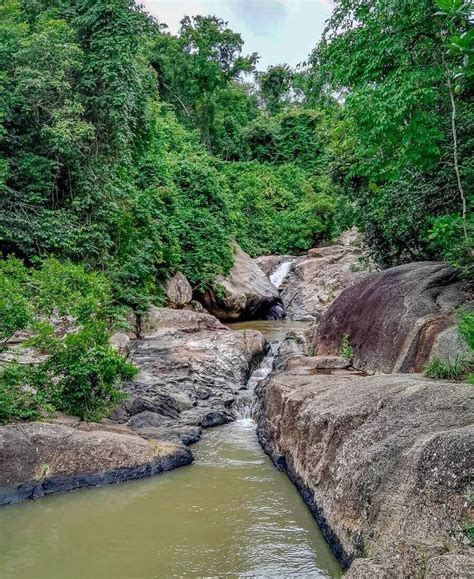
(446, 369)
(19, 400)
(347, 352)
(81, 373)
(466, 328)
(85, 370)
(14, 309)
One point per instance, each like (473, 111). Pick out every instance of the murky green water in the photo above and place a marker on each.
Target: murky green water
(274, 331)
(229, 513)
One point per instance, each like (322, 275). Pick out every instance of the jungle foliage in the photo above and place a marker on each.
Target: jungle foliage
(403, 145)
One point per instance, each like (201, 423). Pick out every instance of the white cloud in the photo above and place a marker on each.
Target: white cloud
(279, 30)
(261, 16)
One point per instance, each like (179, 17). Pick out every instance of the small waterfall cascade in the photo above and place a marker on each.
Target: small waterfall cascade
(244, 401)
(279, 275)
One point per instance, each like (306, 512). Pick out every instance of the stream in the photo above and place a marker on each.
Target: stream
(230, 513)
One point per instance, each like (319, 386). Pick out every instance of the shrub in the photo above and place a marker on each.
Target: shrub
(18, 399)
(14, 309)
(85, 371)
(347, 352)
(81, 374)
(466, 328)
(446, 369)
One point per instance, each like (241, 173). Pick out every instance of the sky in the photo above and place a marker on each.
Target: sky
(280, 31)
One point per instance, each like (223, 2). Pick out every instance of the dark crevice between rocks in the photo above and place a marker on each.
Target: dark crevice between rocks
(274, 311)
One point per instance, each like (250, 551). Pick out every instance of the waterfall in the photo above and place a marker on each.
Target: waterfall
(243, 403)
(279, 275)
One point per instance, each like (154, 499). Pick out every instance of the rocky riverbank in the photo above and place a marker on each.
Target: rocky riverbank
(191, 370)
(383, 461)
(43, 458)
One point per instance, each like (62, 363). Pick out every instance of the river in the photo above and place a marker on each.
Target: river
(230, 513)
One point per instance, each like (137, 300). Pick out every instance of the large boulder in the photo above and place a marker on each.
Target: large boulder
(163, 320)
(246, 293)
(191, 371)
(308, 284)
(393, 318)
(178, 291)
(384, 462)
(39, 459)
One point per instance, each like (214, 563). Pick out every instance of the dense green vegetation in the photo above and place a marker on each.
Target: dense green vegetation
(128, 153)
(403, 142)
(70, 371)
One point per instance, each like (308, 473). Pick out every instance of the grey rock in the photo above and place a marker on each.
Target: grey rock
(120, 343)
(178, 290)
(247, 292)
(384, 462)
(148, 419)
(422, 561)
(163, 320)
(38, 459)
(191, 369)
(450, 346)
(450, 566)
(293, 347)
(351, 237)
(184, 433)
(319, 362)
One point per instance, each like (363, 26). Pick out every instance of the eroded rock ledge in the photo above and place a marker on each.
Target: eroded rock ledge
(384, 462)
(192, 368)
(41, 458)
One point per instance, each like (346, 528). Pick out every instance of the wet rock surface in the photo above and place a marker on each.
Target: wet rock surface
(384, 463)
(395, 318)
(246, 293)
(42, 458)
(191, 370)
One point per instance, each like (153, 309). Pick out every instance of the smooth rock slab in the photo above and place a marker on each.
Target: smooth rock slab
(39, 458)
(319, 362)
(384, 462)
